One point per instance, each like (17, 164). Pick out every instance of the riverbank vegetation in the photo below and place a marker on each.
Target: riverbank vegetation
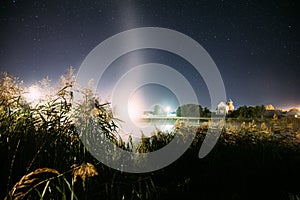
(42, 155)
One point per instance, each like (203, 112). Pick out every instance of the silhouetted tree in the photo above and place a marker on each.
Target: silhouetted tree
(192, 110)
(158, 110)
(248, 112)
(205, 112)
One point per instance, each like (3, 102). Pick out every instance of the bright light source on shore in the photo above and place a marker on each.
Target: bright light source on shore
(34, 94)
(167, 109)
(135, 111)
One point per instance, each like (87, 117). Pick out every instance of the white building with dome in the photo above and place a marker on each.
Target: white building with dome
(224, 108)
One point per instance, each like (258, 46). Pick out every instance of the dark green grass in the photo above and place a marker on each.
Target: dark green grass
(246, 163)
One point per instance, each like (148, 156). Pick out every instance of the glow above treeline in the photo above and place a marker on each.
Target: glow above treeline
(33, 94)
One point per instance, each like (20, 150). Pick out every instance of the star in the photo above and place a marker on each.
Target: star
(241, 38)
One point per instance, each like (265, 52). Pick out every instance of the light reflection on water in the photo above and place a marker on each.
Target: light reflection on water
(148, 129)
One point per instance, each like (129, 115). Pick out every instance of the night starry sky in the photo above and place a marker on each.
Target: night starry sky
(255, 44)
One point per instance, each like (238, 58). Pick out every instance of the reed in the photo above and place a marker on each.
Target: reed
(40, 140)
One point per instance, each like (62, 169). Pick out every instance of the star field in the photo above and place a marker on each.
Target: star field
(255, 44)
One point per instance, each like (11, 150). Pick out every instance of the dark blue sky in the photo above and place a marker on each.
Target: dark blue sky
(255, 44)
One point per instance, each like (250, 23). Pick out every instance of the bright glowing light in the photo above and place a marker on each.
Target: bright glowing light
(134, 111)
(34, 94)
(167, 109)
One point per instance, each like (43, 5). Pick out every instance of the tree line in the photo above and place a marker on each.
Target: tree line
(194, 110)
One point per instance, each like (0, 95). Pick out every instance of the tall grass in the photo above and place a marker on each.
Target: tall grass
(43, 157)
(41, 138)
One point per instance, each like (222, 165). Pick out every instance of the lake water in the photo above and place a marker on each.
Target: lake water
(149, 128)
